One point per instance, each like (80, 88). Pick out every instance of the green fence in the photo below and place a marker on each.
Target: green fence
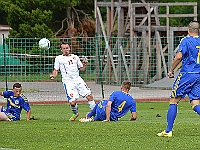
(22, 60)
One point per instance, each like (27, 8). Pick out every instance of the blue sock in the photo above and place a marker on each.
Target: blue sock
(171, 116)
(197, 109)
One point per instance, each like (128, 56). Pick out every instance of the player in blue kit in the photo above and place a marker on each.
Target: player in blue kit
(188, 80)
(16, 101)
(119, 103)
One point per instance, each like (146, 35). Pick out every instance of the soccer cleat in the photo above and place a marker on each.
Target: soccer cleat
(163, 133)
(86, 120)
(73, 117)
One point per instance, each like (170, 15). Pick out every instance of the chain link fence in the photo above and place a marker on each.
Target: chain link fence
(109, 64)
(22, 60)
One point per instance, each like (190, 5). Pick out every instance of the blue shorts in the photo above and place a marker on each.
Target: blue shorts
(187, 84)
(11, 116)
(101, 110)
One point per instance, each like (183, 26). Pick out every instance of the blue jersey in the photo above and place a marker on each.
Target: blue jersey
(187, 81)
(121, 104)
(15, 105)
(189, 47)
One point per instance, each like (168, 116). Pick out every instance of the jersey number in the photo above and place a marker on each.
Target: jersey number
(120, 107)
(70, 62)
(198, 57)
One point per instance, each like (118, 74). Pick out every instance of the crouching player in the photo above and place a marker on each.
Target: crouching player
(119, 103)
(15, 102)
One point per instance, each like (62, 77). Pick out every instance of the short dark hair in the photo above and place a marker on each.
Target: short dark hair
(194, 26)
(126, 84)
(17, 85)
(64, 43)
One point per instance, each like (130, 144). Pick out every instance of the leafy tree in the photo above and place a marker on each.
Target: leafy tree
(50, 18)
(43, 18)
(26, 21)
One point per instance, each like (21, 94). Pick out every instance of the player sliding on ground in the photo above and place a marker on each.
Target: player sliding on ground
(15, 102)
(188, 80)
(119, 103)
(69, 66)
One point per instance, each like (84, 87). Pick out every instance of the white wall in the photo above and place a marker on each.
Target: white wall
(4, 30)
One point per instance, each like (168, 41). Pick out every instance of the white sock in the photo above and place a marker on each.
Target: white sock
(75, 109)
(91, 104)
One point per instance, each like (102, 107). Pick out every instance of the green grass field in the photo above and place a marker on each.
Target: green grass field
(53, 131)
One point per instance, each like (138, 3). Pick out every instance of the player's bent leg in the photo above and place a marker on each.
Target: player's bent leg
(91, 101)
(85, 91)
(3, 117)
(74, 117)
(195, 104)
(74, 108)
(90, 97)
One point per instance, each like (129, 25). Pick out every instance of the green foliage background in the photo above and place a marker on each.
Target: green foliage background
(42, 18)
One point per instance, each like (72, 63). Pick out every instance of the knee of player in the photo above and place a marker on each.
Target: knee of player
(90, 97)
(73, 103)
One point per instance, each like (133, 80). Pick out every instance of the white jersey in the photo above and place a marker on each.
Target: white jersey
(68, 65)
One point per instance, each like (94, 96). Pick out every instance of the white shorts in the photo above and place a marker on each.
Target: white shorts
(75, 87)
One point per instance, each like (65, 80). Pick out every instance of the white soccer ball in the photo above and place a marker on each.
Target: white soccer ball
(44, 44)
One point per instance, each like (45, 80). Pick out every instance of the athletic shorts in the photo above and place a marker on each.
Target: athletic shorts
(187, 84)
(75, 87)
(101, 111)
(11, 116)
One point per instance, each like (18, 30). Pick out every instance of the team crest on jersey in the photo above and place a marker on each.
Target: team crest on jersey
(16, 102)
(71, 95)
(74, 58)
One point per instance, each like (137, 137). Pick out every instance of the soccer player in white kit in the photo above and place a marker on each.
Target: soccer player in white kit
(69, 66)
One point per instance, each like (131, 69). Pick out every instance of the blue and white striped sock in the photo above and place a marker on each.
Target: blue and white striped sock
(75, 109)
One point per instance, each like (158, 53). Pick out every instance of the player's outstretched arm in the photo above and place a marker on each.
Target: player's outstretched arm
(176, 61)
(84, 62)
(28, 115)
(108, 109)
